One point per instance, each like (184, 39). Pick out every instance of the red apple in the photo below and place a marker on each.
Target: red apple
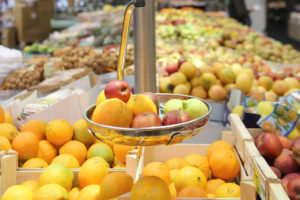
(276, 171)
(293, 188)
(146, 119)
(180, 61)
(172, 68)
(285, 142)
(286, 164)
(175, 117)
(117, 89)
(154, 98)
(268, 145)
(296, 147)
(287, 178)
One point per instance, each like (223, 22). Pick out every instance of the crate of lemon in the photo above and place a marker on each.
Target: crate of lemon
(145, 119)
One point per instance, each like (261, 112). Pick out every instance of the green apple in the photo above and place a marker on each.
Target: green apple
(173, 104)
(194, 108)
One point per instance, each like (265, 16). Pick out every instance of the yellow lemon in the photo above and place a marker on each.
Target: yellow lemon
(141, 103)
(18, 192)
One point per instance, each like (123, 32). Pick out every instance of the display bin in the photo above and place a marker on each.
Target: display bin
(11, 174)
(268, 186)
(163, 153)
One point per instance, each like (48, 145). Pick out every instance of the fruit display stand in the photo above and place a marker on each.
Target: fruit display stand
(268, 186)
(154, 153)
(11, 174)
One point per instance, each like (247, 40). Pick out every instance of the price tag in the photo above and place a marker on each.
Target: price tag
(259, 183)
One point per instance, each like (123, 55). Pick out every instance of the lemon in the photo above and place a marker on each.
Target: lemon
(18, 192)
(59, 174)
(190, 176)
(238, 110)
(264, 108)
(101, 97)
(90, 192)
(51, 192)
(140, 103)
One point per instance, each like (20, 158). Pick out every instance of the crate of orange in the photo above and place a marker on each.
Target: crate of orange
(38, 145)
(268, 185)
(194, 170)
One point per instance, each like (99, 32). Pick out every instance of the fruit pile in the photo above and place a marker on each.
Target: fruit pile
(177, 177)
(194, 175)
(190, 26)
(56, 182)
(214, 82)
(116, 106)
(283, 156)
(40, 144)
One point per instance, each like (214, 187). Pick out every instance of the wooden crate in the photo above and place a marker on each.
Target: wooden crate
(11, 174)
(163, 153)
(268, 186)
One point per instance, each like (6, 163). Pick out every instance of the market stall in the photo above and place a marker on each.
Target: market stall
(192, 105)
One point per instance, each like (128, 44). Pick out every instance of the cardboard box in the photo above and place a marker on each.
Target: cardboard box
(33, 20)
(9, 37)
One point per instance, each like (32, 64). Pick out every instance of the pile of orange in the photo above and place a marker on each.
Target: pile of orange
(40, 144)
(209, 176)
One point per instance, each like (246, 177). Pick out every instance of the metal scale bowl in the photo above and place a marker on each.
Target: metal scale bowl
(149, 136)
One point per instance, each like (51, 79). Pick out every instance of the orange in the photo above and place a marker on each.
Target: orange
(2, 115)
(46, 151)
(144, 187)
(73, 194)
(76, 149)
(37, 127)
(35, 163)
(228, 190)
(200, 162)
(59, 131)
(102, 150)
(59, 174)
(66, 159)
(90, 192)
(8, 118)
(51, 191)
(27, 145)
(113, 112)
(17, 192)
(188, 176)
(192, 191)
(92, 171)
(8, 130)
(121, 151)
(219, 144)
(224, 160)
(82, 134)
(175, 163)
(4, 144)
(158, 169)
(173, 191)
(115, 184)
(33, 185)
(213, 184)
